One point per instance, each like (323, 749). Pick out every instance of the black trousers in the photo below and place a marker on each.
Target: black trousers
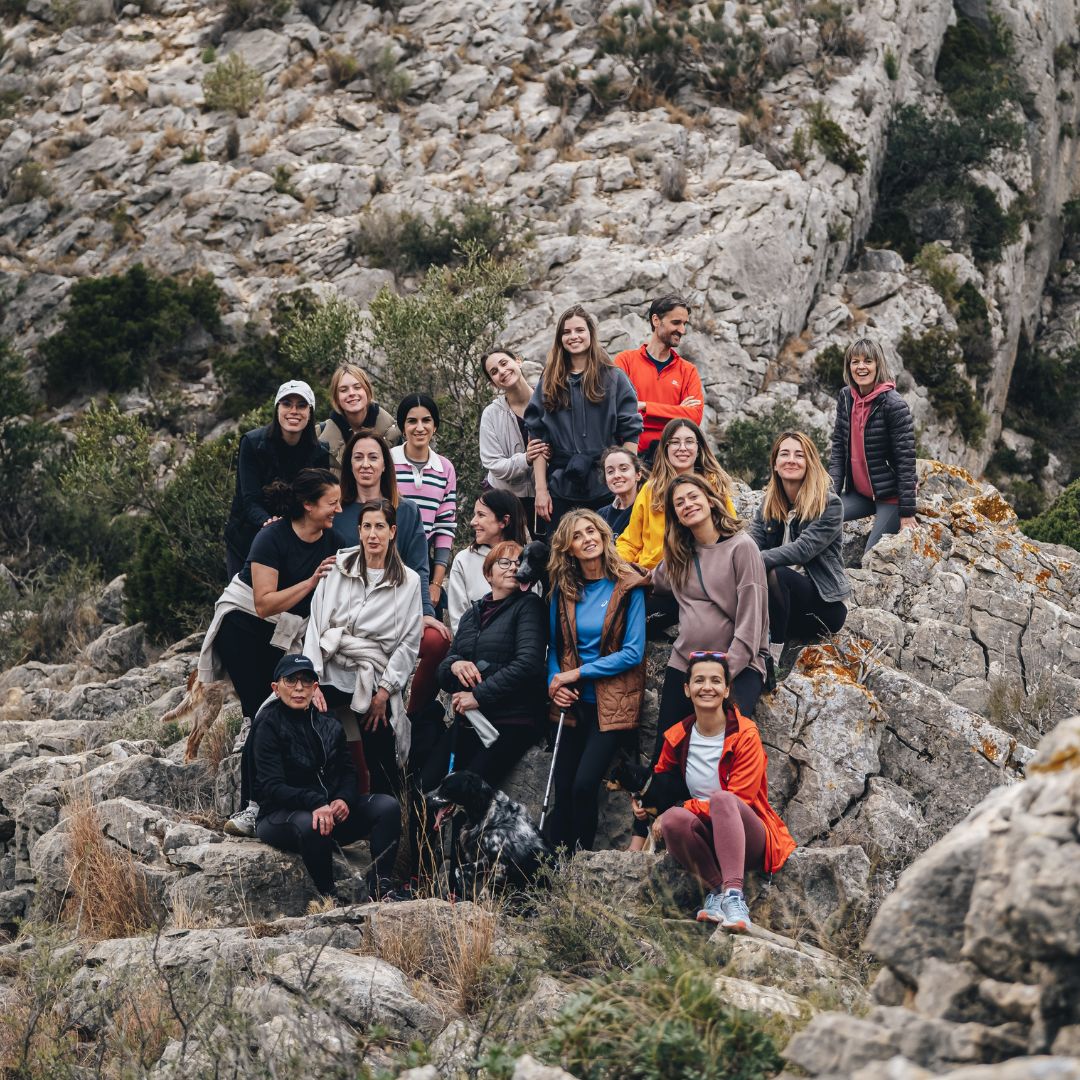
(491, 763)
(585, 756)
(243, 646)
(796, 609)
(560, 506)
(746, 688)
(374, 816)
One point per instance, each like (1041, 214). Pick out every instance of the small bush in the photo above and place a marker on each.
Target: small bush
(121, 328)
(341, 67)
(1060, 522)
(892, 66)
(233, 85)
(673, 181)
(28, 182)
(680, 1028)
(208, 55)
(323, 338)
(562, 87)
(829, 368)
(253, 14)
(283, 184)
(978, 71)
(936, 361)
(973, 331)
(745, 444)
(836, 144)
(232, 143)
(409, 244)
(389, 83)
(838, 38)
(1070, 216)
(942, 278)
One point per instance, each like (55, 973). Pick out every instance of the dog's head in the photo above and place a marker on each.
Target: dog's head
(534, 561)
(625, 775)
(463, 791)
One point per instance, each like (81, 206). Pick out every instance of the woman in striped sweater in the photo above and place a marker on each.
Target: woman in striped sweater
(429, 480)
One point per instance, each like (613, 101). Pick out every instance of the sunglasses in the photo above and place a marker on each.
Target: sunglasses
(305, 679)
(705, 654)
(507, 564)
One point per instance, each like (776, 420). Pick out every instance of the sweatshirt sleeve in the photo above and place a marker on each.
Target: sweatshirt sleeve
(660, 582)
(631, 540)
(535, 413)
(403, 659)
(457, 592)
(445, 527)
(251, 485)
(502, 462)
(633, 646)
(751, 608)
(315, 625)
(814, 537)
(628, 422)
(274, 791)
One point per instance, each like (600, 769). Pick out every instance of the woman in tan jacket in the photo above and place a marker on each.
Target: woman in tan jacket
(596, 670)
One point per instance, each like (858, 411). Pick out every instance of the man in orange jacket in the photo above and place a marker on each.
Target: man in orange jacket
(668, 387)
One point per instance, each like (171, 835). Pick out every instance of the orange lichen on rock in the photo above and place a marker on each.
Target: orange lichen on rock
(988, 749)
(993, 507)
(938, 467)
(1041, 578)
(828, 663)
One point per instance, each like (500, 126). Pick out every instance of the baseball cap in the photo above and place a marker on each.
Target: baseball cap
(296, 386)
(293, 665)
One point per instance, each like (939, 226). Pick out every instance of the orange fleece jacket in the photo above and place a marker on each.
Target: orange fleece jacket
(661, 391)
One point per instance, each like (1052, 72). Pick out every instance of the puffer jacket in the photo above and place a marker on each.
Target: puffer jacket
(889, 445)
(290, 774)
(618, 697)
(742, 771)
(509, 651)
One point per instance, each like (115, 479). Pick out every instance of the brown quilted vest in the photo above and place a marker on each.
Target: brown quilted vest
(618, 698)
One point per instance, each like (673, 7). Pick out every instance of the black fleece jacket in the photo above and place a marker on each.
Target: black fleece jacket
(511, 654)
(889, 444)
(300, 758)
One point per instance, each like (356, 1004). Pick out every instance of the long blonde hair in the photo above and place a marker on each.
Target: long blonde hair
(555, 381)
(705, 464)
(564, 570)
(814, 491)
(679, 543)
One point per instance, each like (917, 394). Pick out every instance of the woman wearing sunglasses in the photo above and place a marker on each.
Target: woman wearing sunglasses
(726, 827)
(495, 665)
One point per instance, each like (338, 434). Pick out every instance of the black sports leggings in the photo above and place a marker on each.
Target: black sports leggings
(374, 816)
(585, 755)
(796, 609)
(243, 646)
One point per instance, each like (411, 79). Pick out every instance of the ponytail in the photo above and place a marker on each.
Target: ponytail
(308, 486)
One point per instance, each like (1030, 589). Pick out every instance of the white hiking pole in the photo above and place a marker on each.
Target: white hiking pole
(551, 771)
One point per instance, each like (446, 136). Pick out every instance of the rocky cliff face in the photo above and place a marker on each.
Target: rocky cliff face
(516, 105)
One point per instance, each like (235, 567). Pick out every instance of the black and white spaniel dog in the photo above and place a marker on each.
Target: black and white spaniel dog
(533, 568)
(499, 846)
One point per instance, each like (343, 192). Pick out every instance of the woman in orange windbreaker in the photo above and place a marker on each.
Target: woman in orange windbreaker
(727, 826)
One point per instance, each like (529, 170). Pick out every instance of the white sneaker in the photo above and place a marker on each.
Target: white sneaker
(243, 823)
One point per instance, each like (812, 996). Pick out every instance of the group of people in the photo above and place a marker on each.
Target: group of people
(345, 596)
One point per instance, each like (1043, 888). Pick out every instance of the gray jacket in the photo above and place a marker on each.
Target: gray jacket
(585, 429)
(502, 451)
(814, 545)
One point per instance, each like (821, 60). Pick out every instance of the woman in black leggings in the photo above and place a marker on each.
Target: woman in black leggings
(800, 523)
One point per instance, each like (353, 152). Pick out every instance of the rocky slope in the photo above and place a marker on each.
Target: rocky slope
(108, 100)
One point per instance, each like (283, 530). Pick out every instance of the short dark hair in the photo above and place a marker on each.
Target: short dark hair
(414, 401)
(704, 656)
(663, 304)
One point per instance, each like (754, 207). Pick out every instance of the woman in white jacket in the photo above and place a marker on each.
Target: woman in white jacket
(363, 637)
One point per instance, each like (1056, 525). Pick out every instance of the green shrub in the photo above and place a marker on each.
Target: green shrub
(942, 278)
(1070, 216)
(253, 14)
(341, 67)
(835, 31)
(431, 341)
(120, 329)
(892, 66)
(390, 84)
(836, 144)
(28, 182)
(233, 85)
(283, 184)
(1060, 522)
(936, 361)
(659, 1023)
(973, 331)
(745, 444)
(407, 243)
(977, 68)
(829, 368)
(323, 338)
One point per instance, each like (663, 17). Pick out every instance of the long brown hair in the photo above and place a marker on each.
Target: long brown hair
(814, 491)
(679, 544)
(555, 381)
(705, 464)
(394, 572)
(564, 570)
(387, 483)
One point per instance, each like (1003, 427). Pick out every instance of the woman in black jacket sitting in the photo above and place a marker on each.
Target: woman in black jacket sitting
(305, 782)
(277, 451)
(872, 463)
(496, 665)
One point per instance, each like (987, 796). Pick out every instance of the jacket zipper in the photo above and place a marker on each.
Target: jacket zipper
(318, 739)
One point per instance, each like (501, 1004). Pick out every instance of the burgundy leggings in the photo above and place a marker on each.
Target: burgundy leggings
(425, 685)
(720, 850)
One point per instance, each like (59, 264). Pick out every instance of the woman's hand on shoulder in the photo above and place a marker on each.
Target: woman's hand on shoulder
(322, 570)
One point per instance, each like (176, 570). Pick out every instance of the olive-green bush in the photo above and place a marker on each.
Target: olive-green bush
(745, 444)
(936, 360)
(1059, 523)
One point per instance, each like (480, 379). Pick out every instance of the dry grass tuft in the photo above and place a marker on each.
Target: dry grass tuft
(107, 896)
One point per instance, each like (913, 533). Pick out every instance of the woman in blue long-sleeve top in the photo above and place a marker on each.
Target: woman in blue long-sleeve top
(596, 669)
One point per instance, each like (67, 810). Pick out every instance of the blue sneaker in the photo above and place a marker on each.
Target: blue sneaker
(735, 915)
(711, 911)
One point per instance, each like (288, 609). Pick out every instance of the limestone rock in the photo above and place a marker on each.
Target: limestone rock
(118, 649)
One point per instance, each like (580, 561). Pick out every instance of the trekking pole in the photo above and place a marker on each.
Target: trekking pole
(551, 771)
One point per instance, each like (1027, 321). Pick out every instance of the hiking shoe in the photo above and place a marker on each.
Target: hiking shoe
(384, 891)
(711, 911)
(735, 914)
(243, 824)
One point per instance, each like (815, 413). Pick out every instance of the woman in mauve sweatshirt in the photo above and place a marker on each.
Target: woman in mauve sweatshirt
(716, 573)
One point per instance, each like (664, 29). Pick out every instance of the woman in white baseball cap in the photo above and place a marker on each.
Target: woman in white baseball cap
(277, 451)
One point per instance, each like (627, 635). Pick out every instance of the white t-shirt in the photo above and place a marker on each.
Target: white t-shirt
(703, 763)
